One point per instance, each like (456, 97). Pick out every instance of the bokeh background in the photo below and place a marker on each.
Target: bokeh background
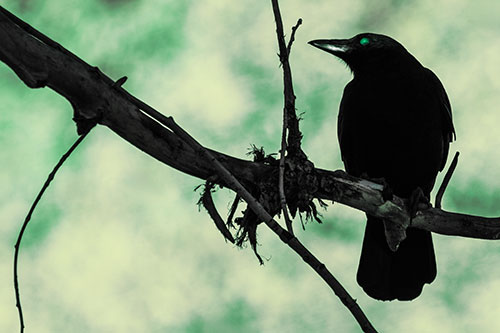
(118, 244)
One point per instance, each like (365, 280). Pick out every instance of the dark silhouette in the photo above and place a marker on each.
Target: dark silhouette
(394, 123)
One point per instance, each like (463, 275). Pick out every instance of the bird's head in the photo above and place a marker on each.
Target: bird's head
(367, 52)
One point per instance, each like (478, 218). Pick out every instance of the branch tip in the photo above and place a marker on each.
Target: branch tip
(446, 180)
(292, 36)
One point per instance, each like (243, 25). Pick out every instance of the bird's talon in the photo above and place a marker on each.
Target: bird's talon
(387, 193)
(418, 201)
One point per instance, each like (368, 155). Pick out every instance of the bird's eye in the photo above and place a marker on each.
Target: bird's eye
(364, 41)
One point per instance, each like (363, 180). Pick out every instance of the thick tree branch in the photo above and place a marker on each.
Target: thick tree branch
(93, 96)
(367, 197)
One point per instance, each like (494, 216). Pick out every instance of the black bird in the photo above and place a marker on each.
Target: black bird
(394, 123)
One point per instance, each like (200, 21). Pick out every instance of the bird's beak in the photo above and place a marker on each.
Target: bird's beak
(337, 47)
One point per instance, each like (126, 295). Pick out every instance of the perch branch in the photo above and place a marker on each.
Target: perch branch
(86, 86)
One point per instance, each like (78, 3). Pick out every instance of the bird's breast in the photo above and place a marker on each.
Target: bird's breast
(390, 129)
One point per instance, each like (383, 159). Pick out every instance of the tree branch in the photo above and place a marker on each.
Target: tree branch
(27, 219)
(288, 91)
(91, 92)
(292, 36)
(294, 135)
(367, 197)
(290, 121)
(207, 202)
(281, 179)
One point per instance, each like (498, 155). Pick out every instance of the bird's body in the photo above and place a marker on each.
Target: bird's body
(394, 123)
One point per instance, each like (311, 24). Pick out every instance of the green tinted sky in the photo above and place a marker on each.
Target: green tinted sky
(118, 245)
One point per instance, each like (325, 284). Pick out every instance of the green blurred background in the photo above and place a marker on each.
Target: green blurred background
(118, 245)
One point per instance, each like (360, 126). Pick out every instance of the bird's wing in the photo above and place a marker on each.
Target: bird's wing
(349, 161)
(449, 134)
(340, 125)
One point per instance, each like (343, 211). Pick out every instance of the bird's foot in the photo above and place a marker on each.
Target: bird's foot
(387, 192)
(417, 201)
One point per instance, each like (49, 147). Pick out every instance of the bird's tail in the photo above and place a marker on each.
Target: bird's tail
(387, 275)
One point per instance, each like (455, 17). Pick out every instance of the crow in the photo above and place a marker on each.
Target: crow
(395, 124)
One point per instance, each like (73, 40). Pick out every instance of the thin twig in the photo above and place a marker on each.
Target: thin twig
(208, 203)
(281, 180)
(446, 180)
(232, 211)
(292, 36)
(285, 236)
(294, 135)
(28, 218)
(287, 110)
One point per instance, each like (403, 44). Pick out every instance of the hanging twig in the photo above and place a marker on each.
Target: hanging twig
(232, 211)
(207, 202)
(28, 218)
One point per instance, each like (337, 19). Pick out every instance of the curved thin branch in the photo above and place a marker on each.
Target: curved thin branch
(28, 218)
(207, 201)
